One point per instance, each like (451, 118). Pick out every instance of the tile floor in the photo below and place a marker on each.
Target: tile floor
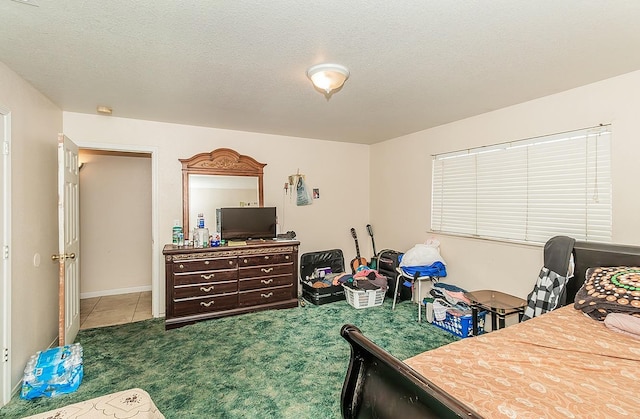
(115, 309)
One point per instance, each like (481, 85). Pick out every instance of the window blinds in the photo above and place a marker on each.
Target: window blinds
(528, 190)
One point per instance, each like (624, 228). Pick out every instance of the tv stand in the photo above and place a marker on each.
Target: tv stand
(213, 282)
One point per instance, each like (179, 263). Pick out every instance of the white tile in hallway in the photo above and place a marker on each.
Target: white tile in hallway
(115, 309)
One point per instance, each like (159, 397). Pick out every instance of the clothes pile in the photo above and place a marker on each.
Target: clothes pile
(365, 278)
(446, 298)
(422, 260)
(323, 277)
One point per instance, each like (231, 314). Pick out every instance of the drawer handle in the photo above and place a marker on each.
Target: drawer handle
(266, 270)
(181, 266)
(207, 276)
(203, 304)
(206, 289)
(266, 281)
(264, 295)
(244, 261)
(287, 257)
(266, 258)
(206, 262)
(230, 262)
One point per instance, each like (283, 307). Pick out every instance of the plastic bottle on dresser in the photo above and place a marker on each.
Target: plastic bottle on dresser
(195, 238)
(200, 220)
(203, 237)
(177, 231)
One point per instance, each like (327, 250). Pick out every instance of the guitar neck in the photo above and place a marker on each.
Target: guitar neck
(355, 239)
(373, 243)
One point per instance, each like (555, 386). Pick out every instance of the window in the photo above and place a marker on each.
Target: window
(528, 190)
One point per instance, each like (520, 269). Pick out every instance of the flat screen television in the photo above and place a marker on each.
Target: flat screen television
(246, 223)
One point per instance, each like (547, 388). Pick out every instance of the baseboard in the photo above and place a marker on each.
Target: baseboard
(104, 293)
(16, 389)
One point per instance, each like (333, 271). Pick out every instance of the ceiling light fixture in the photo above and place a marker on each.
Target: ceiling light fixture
(104, 110)
(328, 78)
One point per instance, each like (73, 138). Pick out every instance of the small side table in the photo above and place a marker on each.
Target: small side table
(499, 304)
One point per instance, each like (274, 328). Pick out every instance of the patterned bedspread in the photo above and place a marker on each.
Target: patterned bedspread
(560, 365)
(134, 403)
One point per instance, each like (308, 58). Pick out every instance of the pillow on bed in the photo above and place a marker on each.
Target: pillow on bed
(623, 323)
(607, 290)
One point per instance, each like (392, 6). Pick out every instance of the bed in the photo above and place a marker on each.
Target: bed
(560, 364)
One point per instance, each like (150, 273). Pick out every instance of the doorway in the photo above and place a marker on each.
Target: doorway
(118, 266)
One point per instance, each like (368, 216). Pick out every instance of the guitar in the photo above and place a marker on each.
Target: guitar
(358, 261)
(374, 258)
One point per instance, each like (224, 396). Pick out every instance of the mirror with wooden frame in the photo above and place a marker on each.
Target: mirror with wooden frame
(221, 178)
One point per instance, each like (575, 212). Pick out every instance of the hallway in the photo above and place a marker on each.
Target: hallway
(115, 309)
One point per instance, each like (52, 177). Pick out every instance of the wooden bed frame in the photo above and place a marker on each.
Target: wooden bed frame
(377, 385)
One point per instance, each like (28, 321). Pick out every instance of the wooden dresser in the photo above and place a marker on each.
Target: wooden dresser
(223, 281)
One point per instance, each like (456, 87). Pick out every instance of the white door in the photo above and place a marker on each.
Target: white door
(68, 241)
(5, 271)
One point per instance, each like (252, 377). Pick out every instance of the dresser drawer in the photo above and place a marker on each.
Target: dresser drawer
(265, 282)
(205, 277)
(264, 259)
(204, 305)
(261, 271)
(205, 289)
(223, 281)
(264, 296)
(195, 265)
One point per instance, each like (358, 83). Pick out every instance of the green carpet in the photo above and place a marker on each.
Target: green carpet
(280, 363)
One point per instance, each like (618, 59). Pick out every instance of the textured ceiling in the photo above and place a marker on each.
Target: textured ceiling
(241, 65)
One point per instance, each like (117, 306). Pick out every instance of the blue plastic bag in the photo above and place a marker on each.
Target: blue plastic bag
(53, 372)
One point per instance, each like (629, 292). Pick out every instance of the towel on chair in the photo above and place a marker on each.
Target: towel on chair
(550, 289)
(437, 269)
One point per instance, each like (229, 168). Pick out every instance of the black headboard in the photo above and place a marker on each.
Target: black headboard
(589, 255)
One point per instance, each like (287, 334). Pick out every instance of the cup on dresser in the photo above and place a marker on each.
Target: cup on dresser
(202, 237)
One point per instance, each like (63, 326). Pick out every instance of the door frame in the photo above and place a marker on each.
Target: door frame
(5, 274)
(156, 284)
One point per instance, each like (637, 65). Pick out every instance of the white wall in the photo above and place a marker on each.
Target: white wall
(400, 195)
(343, 179)
(35, 124)
(115, 224)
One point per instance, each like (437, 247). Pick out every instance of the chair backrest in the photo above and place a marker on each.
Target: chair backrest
(549, 291)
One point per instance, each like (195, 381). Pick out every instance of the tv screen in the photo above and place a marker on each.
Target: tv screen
(246, 223)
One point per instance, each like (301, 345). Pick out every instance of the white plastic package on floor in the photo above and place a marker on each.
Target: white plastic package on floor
(53, 372)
